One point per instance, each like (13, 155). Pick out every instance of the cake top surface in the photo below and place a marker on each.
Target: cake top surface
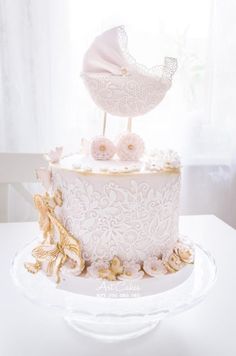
(158, 161)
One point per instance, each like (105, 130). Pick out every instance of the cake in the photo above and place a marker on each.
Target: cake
(111, 211)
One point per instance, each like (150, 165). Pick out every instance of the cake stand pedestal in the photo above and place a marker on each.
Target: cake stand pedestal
(114, 311)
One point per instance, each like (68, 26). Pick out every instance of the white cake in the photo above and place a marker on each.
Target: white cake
(112, 211)
(129, 215)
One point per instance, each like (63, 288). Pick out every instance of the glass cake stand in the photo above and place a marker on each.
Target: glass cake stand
(113, 311)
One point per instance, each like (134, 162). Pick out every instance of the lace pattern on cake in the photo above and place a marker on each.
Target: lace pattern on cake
(130, 222)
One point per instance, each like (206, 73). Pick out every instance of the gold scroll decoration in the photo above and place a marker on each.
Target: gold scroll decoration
(52, 255)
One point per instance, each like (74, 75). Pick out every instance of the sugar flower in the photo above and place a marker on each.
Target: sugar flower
(173, 263)
(154, 266)
(95, 269)
(163, 160)
(54, 156)
(171, 159)
(106, 270)
(131, 270)
(184, 252)
(130, 147)
(102, 148)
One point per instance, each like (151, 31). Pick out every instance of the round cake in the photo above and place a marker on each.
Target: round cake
(130, 215)
(112, 210)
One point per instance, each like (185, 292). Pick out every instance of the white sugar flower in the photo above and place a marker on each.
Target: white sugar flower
(184, 252)
(130, 147)
(54, 156)
(131, 270)
(154, 266)
(171, 159)
(102, 148)
(163, 160)
(173, 263)
(95, 269)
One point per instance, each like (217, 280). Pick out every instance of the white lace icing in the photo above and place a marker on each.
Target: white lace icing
(131, 219)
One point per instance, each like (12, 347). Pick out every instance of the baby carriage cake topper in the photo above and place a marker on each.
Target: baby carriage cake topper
(117, 83)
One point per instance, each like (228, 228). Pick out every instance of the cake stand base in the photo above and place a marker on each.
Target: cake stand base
(114, 311)
(111, 332)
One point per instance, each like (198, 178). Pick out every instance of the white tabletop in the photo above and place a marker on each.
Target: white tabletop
(209, 329)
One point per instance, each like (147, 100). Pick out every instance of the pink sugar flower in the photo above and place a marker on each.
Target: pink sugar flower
(130, 147)
(102, 148)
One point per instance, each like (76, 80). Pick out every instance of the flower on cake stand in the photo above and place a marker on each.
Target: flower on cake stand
(131, 270)
(130, 147)
(185, 252)
(96, 267)
(154, 266)
(173, 263)
(102, 148)
(106, 270)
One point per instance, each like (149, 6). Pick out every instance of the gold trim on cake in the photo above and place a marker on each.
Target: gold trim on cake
(87, 171)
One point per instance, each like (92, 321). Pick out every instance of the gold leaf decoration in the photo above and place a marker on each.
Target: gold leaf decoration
(50, 254)
(58, 198)
(116, 266)
(42, 203)
(33, 267)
